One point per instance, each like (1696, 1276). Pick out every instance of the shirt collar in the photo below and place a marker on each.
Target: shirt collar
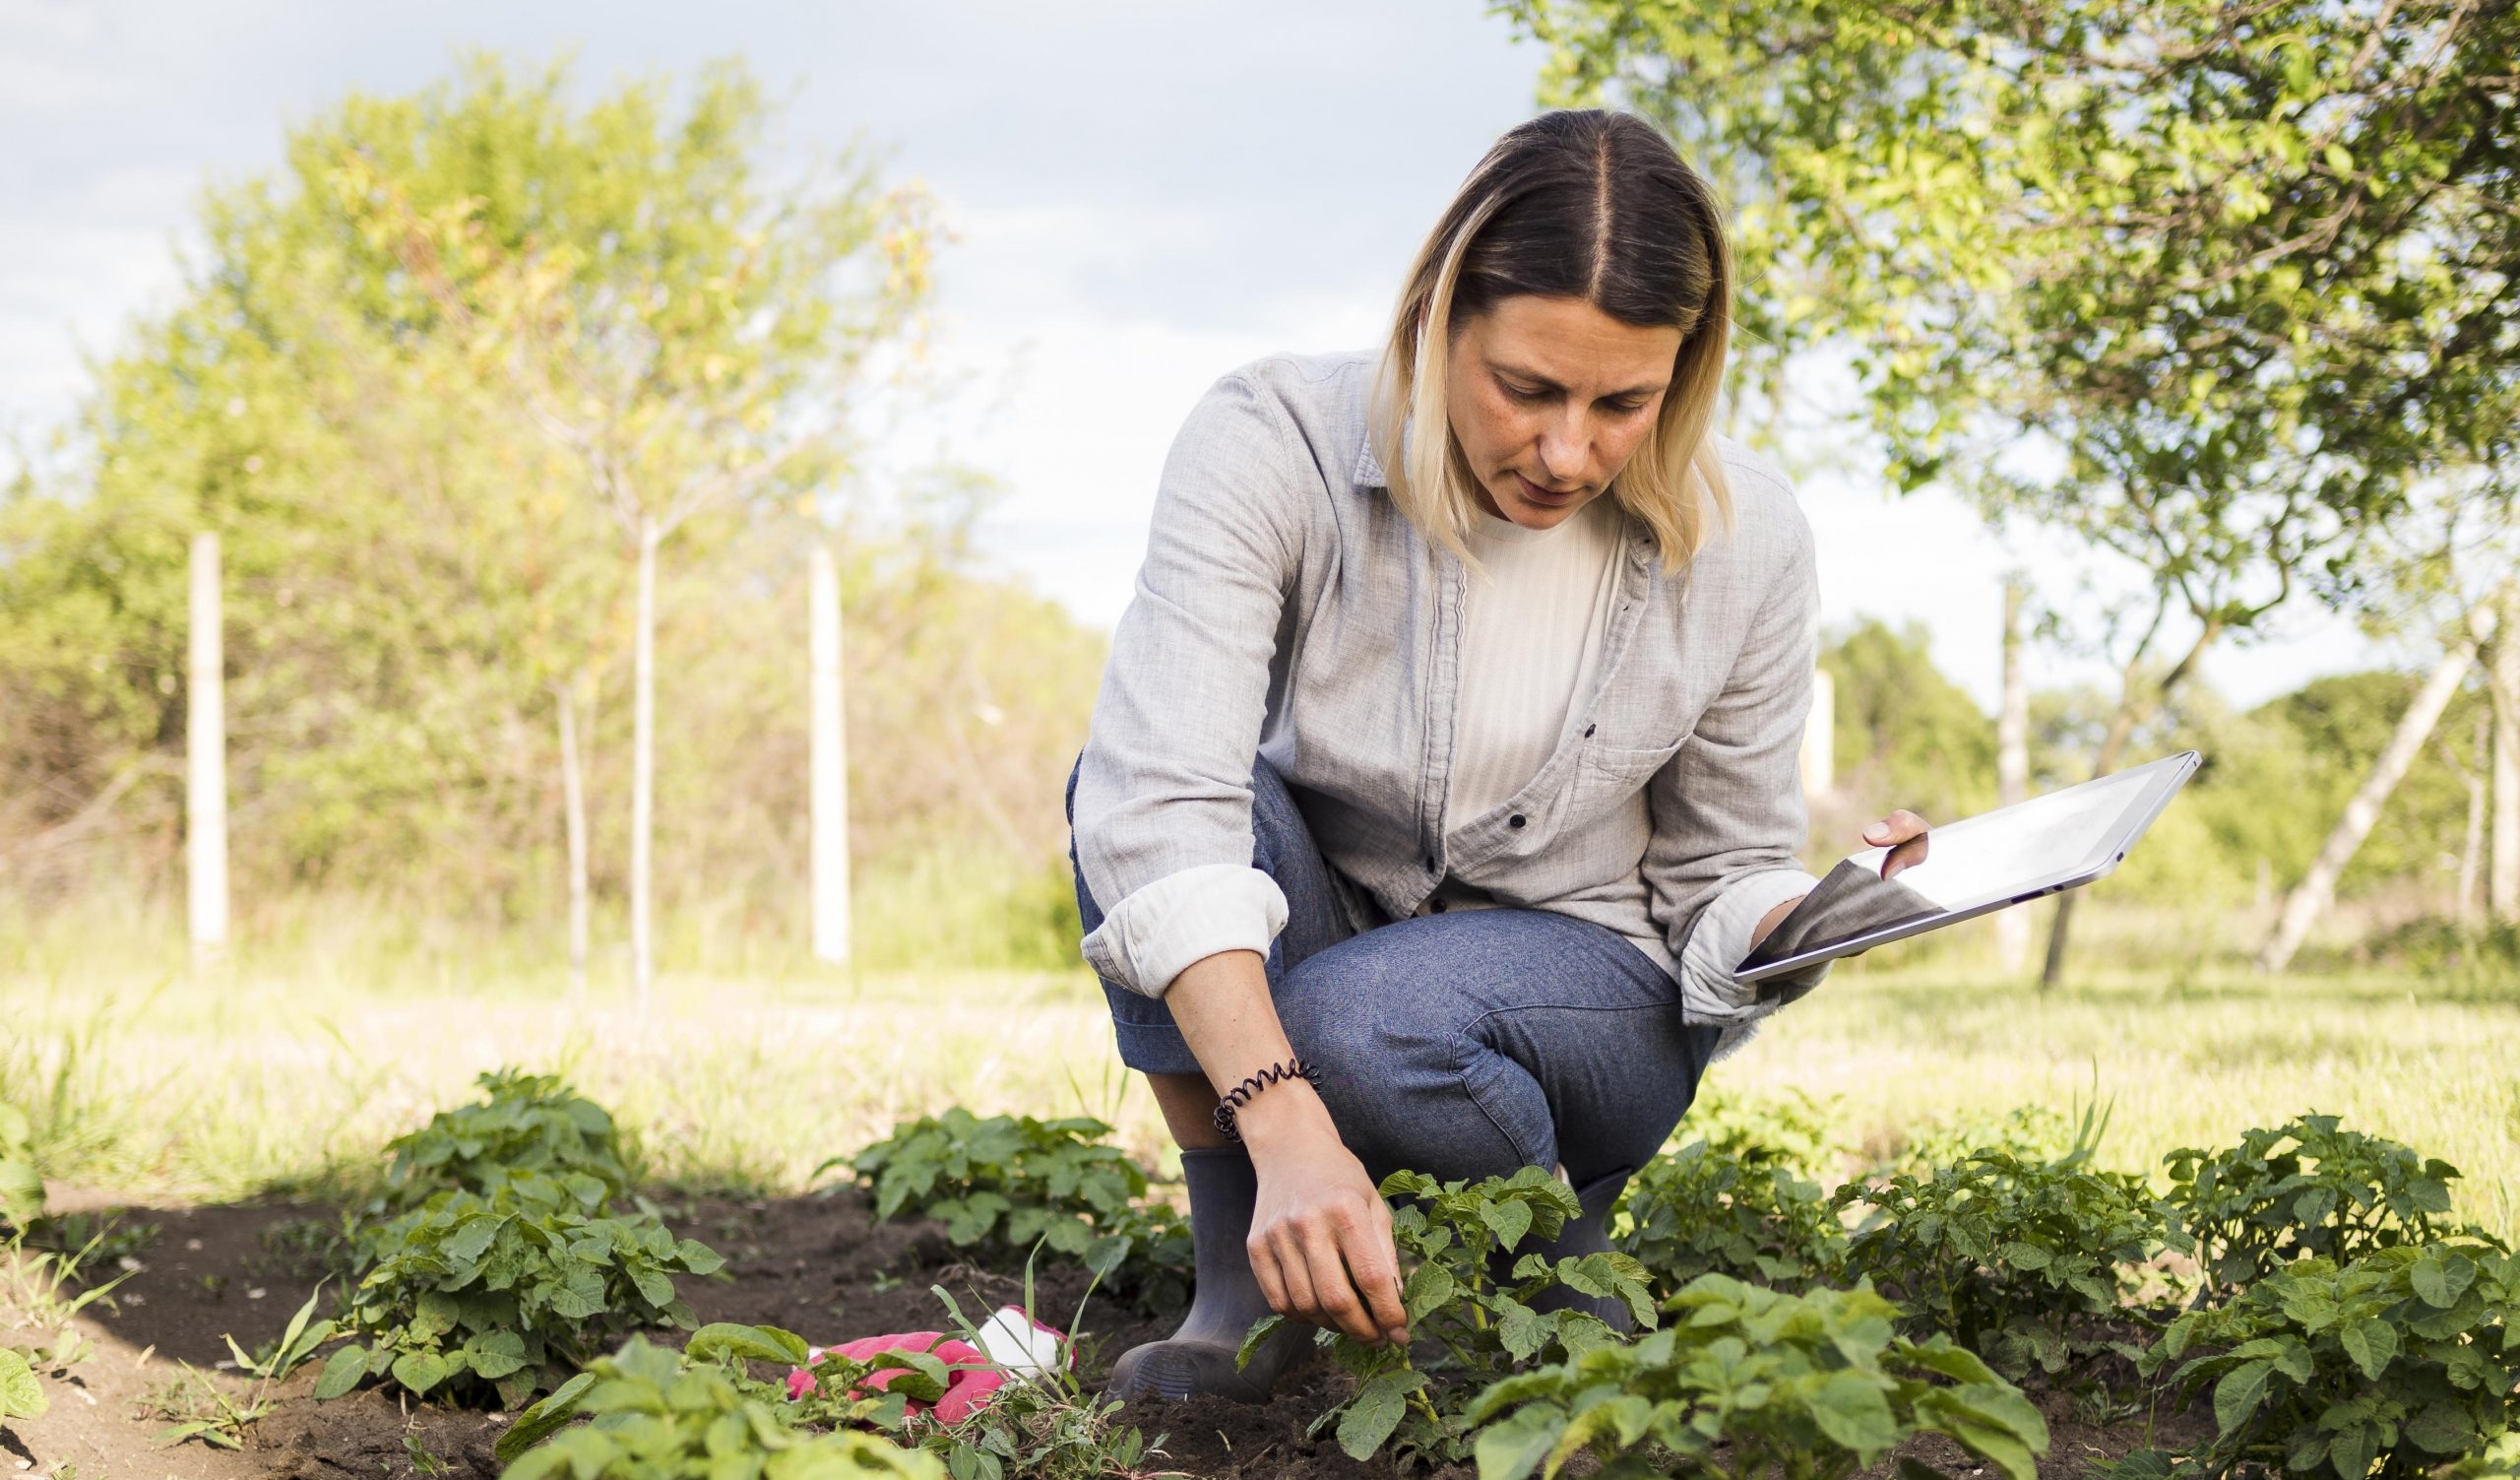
(1368, 472)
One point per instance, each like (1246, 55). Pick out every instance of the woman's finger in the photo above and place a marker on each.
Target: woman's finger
(1264, 1269)
(1303, 1302)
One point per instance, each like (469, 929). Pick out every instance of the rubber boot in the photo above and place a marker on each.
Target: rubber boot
(1198, 1358)
(1587, 1234)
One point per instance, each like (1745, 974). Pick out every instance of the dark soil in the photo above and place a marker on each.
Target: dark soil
(819, 1267)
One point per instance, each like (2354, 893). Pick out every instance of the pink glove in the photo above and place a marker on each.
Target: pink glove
(971, 1375)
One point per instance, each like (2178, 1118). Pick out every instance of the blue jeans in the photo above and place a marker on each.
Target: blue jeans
(1463, 1045)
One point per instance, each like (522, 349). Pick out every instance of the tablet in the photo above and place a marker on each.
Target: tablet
(1973, 867)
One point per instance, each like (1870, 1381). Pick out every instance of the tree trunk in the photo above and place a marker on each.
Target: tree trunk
(2311, 898)
(2503, 679)
(572, 792)
(205, 762)
(643, 771)
(2012, 763)
(2132, 706)
(830, 763)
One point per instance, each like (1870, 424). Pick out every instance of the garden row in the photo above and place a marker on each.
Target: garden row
(2310, 1284)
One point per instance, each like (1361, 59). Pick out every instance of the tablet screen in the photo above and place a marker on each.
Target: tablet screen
(1987, 860)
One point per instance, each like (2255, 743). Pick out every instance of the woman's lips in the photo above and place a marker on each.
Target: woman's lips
(1539, 495)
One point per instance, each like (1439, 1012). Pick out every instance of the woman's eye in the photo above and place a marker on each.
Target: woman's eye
(1627, 409)
(1518, 393)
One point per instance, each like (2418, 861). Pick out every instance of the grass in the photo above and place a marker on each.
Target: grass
(148, 1086)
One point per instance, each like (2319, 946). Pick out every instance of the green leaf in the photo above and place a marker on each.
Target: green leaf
(21, 1395)
(1508, 1221)
(1853, 1410)
(1259, 1332)
(1376, 1410)
(1522, 1330)
(1511, 1449)
(544, 1419)
(2026, 1255)
(421, 1371)
(342, 1372)
(2236, 1395)
(751, 1343)
(2371, 1342)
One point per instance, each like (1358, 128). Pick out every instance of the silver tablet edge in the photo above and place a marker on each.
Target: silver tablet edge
(2072, 878)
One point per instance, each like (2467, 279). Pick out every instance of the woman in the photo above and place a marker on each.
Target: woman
(1446, 760)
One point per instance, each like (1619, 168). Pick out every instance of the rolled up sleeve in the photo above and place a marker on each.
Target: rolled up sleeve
(1727, 808)
(1163, 819)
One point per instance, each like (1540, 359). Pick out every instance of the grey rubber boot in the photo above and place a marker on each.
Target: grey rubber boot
(1588, 1234)
(1198, 1358)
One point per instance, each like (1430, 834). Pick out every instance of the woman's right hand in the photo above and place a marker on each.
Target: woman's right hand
(1321, 1243)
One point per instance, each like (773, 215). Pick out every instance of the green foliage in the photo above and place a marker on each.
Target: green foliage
(2305, 1187)
(2401, 1358)
(1039, 1424)
(656, 1418)
(1010, 1182)
(2017, 1259)
(1749, 1383)
(21, 1395)
(20, 1181)
(529, 1122)
(508, 1292)
(1787, 1128)
(1699, 1210)
(1450, 1238)
(1903, 731)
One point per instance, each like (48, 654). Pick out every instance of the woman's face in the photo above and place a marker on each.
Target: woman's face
(1549, 397)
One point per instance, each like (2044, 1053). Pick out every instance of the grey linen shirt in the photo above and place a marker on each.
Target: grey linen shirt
(1286, 608)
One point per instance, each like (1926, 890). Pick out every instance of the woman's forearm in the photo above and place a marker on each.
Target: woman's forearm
(1221, 1005)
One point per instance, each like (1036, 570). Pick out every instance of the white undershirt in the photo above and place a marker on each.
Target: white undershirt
(1530, 641)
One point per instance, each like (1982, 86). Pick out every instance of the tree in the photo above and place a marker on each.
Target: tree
(685, 331)
(2207, 285)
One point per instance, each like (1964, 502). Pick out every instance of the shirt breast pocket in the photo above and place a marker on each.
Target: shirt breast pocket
(1607, 776)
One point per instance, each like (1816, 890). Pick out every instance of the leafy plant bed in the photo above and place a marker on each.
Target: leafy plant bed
(822, 1266)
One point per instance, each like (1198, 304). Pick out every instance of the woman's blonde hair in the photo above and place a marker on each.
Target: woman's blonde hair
(1580, 202)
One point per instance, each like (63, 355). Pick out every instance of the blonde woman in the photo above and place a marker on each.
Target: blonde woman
(1445, 763)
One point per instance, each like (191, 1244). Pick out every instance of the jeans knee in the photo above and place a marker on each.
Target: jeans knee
(1398, 1094)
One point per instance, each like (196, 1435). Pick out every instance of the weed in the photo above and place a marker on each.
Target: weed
(199, 1409)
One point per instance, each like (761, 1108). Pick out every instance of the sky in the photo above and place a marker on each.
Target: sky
(1143, 195)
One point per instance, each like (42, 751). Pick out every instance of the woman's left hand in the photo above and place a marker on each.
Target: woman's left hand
(1903, 832)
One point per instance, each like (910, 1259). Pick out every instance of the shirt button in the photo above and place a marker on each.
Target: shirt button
(1516, 821)
(1430, 860)
(1437, 907)
(1588, 731)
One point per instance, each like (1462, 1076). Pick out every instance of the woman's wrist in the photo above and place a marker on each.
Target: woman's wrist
(1290, 1112)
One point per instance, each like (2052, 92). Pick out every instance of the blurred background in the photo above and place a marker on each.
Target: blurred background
(468, 371)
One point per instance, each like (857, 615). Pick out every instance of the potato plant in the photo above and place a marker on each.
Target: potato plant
(657, 1417)
(1450, 1238)
(2019, 1260)
(1749, 1383)
(2307, 1186)
(1011, 1182)
(507, 1292)
(2401, 1360)
(1701, 1210)
(1039, 1425)
(526, 1123)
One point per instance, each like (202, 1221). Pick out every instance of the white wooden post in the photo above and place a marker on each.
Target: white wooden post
(206, 764)
(830, 765)
(1819, 736)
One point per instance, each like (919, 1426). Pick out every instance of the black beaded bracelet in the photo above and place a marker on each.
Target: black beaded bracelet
(1235, 1098)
